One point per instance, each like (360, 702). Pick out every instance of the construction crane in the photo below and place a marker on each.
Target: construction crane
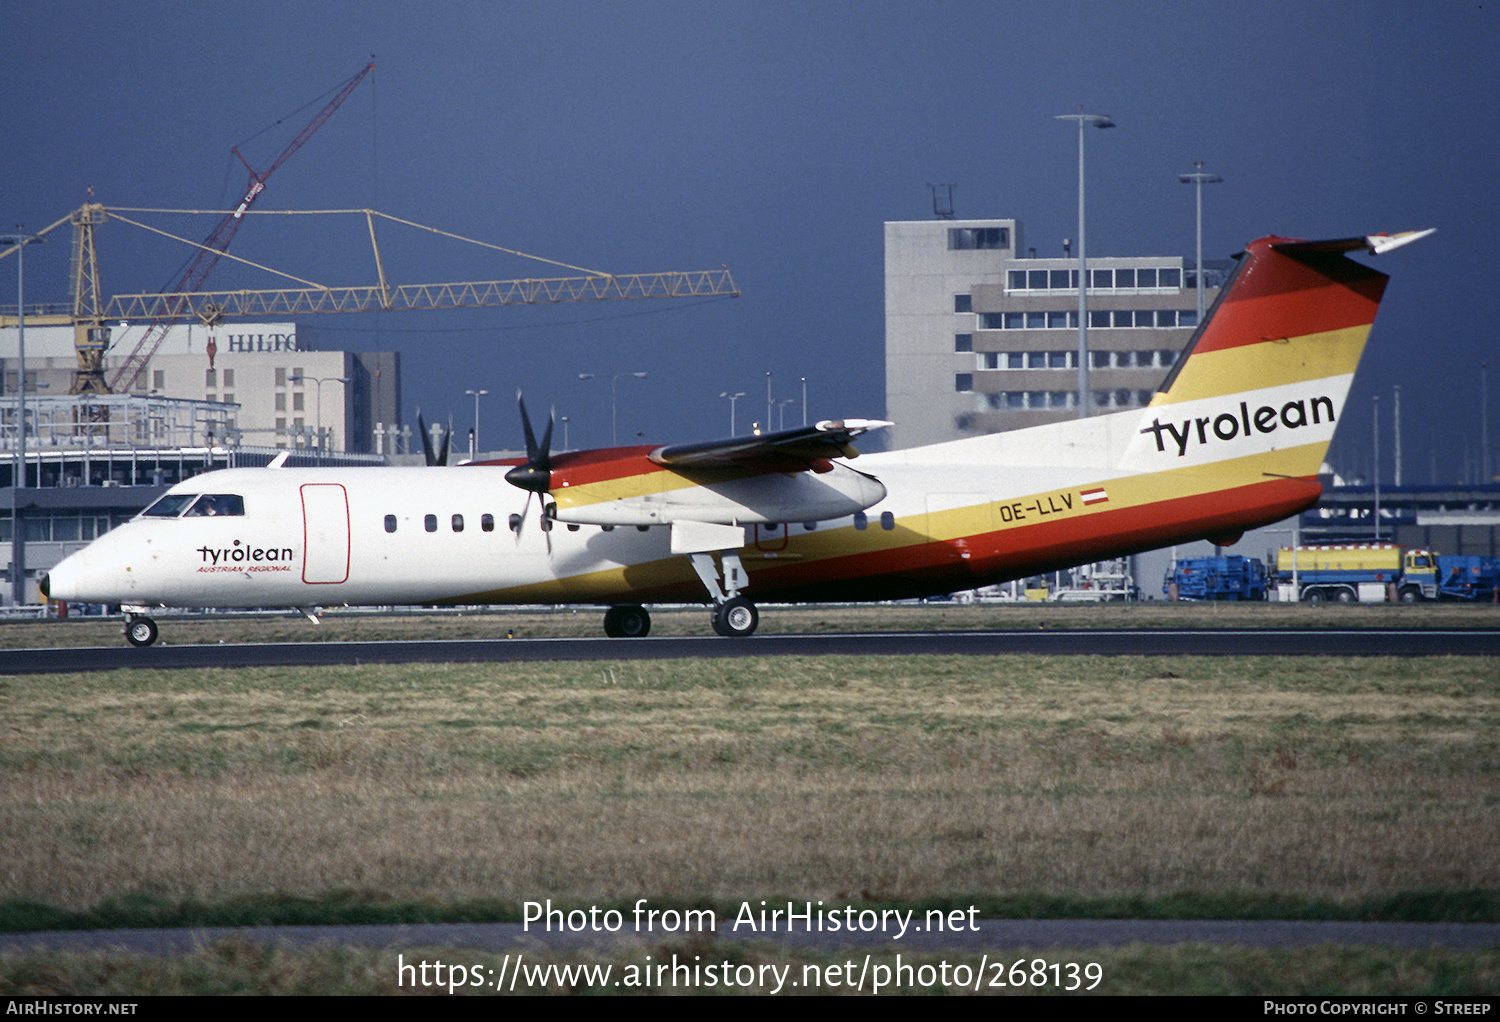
(382, 295)
(89, 377)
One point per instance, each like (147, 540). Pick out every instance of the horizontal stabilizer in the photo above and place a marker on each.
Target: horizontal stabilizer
(1375, 244)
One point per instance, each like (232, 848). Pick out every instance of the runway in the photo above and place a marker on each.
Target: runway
(1049, 642)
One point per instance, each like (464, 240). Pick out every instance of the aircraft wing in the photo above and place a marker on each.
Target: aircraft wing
(792, 450)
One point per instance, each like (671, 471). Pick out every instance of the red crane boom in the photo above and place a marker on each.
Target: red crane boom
(218, 242)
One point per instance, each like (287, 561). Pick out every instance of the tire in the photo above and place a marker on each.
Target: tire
(1313, 596)
(1344, 596)
(1411, 594)
(736, 618)
(627, 622)
(140, 631)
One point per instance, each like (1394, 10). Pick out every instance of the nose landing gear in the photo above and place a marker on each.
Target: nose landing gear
(140, 630)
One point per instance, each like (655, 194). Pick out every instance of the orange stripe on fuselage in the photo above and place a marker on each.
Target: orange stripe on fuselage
(972, 561)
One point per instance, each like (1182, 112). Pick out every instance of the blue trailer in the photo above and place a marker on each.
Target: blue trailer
(1468, 577)
(1216, 578)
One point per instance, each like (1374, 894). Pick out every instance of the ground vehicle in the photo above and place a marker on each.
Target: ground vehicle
(1467, 577)
(1380, 572)
(1229, 577)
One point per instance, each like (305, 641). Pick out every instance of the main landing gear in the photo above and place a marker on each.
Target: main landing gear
(627, 622)
(140, 630)
(735, 617)
(733, 614)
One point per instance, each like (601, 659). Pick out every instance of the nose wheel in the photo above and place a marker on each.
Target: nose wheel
(140, 631)
(736, 616)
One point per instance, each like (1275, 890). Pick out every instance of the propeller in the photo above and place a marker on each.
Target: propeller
(536, 474)
(441, 457)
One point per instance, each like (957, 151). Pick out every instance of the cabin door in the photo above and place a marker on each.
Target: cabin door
(325, 533)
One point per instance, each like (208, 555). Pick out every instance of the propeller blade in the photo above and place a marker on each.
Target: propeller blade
(441, 457)
(536, 475)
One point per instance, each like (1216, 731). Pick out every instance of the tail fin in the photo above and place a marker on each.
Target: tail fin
(1266, 375)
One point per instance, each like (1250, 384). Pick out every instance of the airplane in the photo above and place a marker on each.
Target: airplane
(1233, 439)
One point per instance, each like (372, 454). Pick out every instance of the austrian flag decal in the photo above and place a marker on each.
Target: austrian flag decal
(1095, 496)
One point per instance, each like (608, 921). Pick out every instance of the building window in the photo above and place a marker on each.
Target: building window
(229, 377)
(281, 376)
(281, 402)
(158, 379)
(297, 401)
(963, 303)
(210, 378)
(964, 239)
(963, 342)
(963, 382)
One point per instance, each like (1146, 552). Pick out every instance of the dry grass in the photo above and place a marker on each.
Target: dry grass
(834, 778)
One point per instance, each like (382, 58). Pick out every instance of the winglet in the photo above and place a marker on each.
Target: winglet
(1383, 243)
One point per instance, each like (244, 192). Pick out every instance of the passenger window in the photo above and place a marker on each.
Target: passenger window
(429, 522)
(390, 523)
(487, 523)
(860, 521)
(212, 505)
(458, 523)
(887, 521)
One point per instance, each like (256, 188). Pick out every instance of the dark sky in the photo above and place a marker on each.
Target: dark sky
(774, 138)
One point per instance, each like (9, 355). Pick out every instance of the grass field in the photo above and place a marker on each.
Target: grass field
(1174, 786)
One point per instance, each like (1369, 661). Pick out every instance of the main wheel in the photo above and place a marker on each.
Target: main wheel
(736, 617)
(140, 631)
(627, 622)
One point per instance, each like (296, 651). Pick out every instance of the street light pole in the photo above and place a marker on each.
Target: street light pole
(1198, 179)
(1098, 121)
(473, 451)
(732, 399)
(614, 404)
(320, 381)
(18, 484)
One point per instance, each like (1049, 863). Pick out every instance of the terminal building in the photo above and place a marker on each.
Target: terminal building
(285, 392)
(982, 335)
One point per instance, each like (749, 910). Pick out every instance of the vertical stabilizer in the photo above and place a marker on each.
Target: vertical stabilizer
(1263, 382)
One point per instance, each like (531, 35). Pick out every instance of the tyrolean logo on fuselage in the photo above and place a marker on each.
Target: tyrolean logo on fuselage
(1206, 429)
(245, 557)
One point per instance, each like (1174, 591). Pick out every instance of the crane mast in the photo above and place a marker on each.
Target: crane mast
(89, 378)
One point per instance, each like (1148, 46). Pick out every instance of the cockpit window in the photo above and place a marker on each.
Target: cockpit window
(169, 506)
(212, 504)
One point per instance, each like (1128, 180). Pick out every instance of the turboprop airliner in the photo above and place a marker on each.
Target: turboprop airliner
(1232, 440)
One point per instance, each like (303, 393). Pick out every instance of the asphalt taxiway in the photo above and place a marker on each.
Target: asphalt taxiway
(1052, 642)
